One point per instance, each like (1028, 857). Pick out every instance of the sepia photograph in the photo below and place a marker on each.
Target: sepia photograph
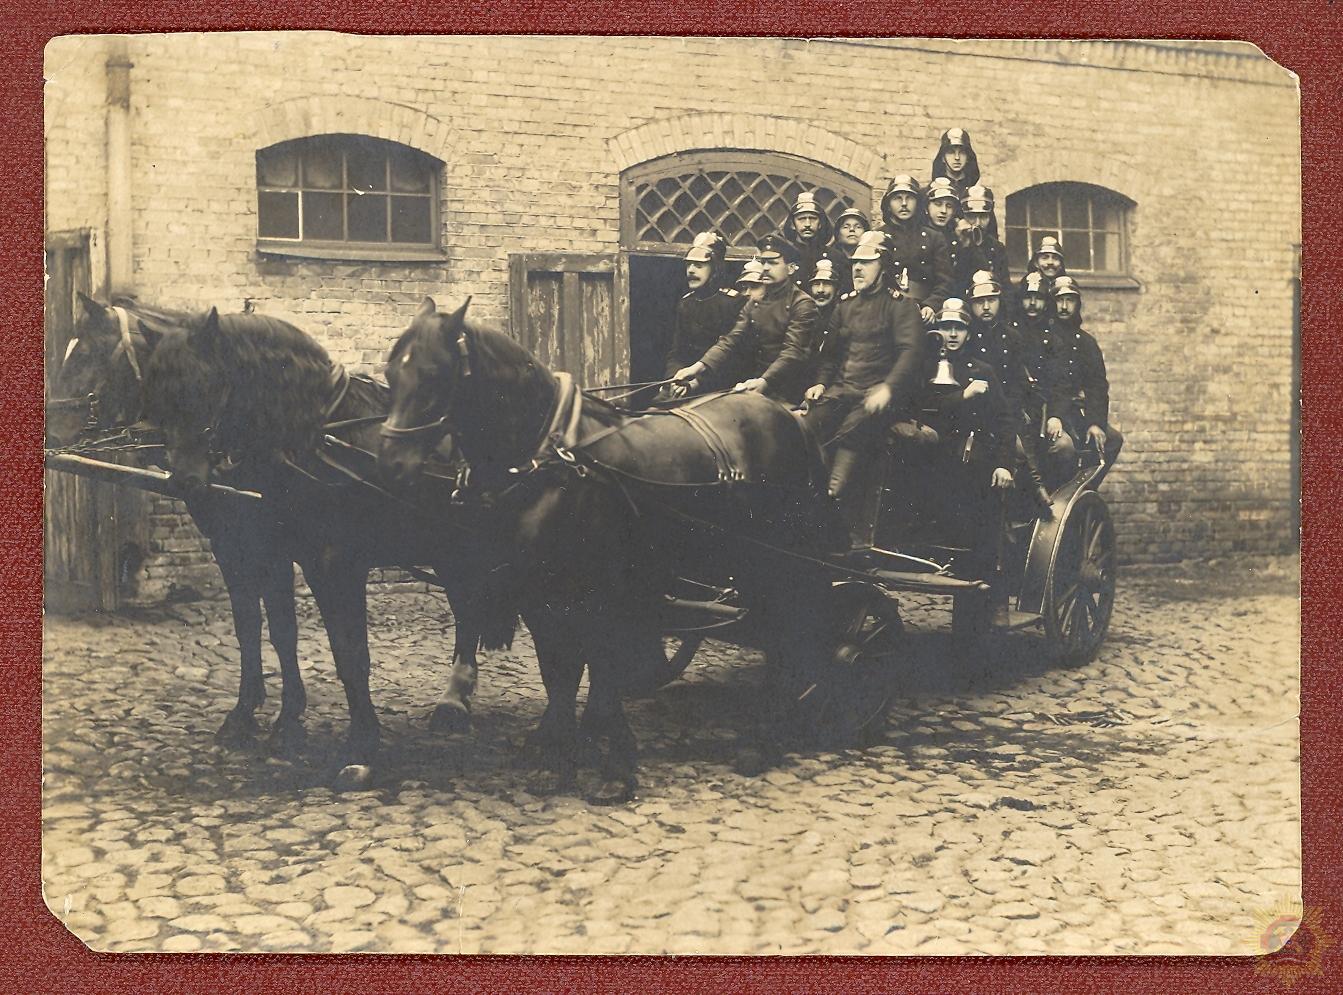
(672, 496)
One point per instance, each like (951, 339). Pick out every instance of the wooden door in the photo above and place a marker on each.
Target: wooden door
(572, 311)
(90, 530)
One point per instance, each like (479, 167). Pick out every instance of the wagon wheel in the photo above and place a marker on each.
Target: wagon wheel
(855, 689)
(1080, 590)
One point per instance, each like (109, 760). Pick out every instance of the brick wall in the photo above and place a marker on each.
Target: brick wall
(534, 135)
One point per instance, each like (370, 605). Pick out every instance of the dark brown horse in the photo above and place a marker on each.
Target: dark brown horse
(601, 511)
(257, 394)
(98, 389)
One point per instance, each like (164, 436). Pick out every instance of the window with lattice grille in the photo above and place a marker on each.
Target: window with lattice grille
(743, 195)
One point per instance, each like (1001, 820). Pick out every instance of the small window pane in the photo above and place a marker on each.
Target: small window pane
(322, 216)
(1077, 253)
(1017, 253)
(277, 168)
(1107, 258)
(411, 218)
(366, 168)
(1016, 212)
(410, 172)
(368, 217)
(321, 167)
(277, 215)
(1075, 214)
(1105, 216)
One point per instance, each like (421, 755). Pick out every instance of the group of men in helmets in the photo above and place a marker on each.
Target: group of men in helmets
(908, 334)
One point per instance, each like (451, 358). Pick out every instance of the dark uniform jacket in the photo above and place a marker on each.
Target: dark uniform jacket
(986, 415)
(923, 253)
(843, 264)
(822, 341)
(1067, 368)
(772, 338)
(989, 254)
(997, 344)
(701, 320)
(876, 336)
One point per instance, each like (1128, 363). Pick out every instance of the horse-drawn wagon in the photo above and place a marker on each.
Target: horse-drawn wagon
(620, 530)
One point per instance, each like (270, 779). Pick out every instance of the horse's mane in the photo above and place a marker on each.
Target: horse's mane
(263, 383)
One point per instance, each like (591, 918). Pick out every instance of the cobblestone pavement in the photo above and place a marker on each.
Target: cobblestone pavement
(1145, 803)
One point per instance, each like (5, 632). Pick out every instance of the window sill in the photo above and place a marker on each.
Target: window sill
(1097, 281)
(350, 253)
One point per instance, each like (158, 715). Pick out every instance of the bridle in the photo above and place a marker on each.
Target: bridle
(438, 425)
(91, 402)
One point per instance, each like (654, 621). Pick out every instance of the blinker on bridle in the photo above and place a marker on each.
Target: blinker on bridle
(125, 347)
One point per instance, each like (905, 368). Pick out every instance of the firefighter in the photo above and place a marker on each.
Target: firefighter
(771, 343)
(963, 400)
(942, 208)
(849, 228)
(809, 229)
(1048, 262)
(751, 283)
(920, 256)
(709, 309)
(978, 233)
(994, 340)
(867, 378)
(1087, 420)
(956, 160)
(824, 290)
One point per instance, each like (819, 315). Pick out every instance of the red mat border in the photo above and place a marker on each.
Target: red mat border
(37, 954)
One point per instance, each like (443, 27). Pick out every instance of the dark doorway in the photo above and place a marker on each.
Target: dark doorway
(656, 284)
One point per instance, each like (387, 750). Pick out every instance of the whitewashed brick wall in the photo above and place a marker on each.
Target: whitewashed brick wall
(534, 132)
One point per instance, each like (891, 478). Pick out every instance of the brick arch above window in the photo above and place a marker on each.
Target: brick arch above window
(750, 132)
(305, 117)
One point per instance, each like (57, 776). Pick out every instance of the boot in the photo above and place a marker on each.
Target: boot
(1035, 484)
(847, 490)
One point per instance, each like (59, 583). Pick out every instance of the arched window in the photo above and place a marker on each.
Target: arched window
(1091, 222)
(348, 195)
(665, 203)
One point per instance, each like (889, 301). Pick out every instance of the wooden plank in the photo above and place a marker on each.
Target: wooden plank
(572, 331)
(517, 298)
(569, 262)
(597, 320)
(620, 320)
(543, 316)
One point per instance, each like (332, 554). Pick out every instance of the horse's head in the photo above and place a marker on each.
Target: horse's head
(427, 369)
(98, 385)
(186, 393)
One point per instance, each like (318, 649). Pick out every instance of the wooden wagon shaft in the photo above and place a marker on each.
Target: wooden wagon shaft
(158, 481)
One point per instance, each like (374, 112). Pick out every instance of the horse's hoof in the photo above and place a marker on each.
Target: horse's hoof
(237, 732)
(450, 718)
(354, 777)
(613, 791)
(287, 739)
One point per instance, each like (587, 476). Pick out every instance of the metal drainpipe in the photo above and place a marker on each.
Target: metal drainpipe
(120, 261)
